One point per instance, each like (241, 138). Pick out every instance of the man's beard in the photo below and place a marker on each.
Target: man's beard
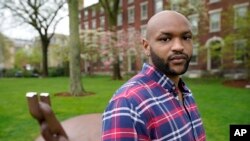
(164, 66)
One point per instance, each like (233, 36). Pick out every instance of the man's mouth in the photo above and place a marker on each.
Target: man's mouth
(178, 59)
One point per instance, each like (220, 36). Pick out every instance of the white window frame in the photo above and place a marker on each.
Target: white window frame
(119, 19)
(157, 9)
(86, 25)
(131, 16)
(131, 31)
(120, 3)
(214, 1)
(211, 13)
(130, 1)
(143, 31)
(236, 16)
(101, 10)
(86, 13)
(175, 5)
(196, 53)
(93, 13)
(144, 13)
(119, 35)
(102, 22)
(243, 42)
(195, 28)
(93, 23)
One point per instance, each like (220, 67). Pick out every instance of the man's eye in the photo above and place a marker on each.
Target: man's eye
(165, 39)
(187, 37)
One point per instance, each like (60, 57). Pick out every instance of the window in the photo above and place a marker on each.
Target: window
(93, 13)
(119, 19)
(143, 31)
(144, 10)
(175, 5)
(240, 12)
(120, 3)
(194, 20)
(215, 20)
(101, 10)
(158, 5)
(94, 24)
(239, 51)
(102, 22)
(213, 1)
(120, 36)
(131, 14)
(193, 2)
(86, 25)
(130, 1)
(130, 35)
(131, 53)
(194, 59)
(86, 14)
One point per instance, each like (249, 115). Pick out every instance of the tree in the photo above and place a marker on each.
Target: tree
(237, 44)
(129, 44)
(195, 10)
(111, 9)
(91, 49)
(42, 15)
(5, 52)
(24, 56)
(76, 87)
(59, 54)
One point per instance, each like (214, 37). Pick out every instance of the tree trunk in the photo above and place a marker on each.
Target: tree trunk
(45, 45)
(76, 87)
(116, 71)
(116, 65)
(111, 9)
(116, 62)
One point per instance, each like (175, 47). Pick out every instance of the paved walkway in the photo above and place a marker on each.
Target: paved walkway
(82, 128)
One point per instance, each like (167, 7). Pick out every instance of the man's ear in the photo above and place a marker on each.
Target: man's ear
(146, 47)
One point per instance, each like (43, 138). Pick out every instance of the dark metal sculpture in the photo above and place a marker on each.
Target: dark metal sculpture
(40, 109)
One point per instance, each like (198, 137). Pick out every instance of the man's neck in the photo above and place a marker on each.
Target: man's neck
(175, 79)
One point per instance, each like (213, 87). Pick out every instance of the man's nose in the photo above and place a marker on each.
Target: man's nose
(177, 46)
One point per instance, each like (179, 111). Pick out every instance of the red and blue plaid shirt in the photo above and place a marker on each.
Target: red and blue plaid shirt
(147, 108)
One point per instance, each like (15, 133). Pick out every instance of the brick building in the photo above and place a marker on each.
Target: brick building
(210, 26)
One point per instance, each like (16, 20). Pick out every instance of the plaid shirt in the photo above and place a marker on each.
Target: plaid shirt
(147, 108)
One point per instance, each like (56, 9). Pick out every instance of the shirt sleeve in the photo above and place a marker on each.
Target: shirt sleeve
(118, 121)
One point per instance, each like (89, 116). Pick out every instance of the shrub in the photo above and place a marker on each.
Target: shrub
(57, 71)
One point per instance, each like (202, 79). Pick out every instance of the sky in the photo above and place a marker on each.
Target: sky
(27, 32)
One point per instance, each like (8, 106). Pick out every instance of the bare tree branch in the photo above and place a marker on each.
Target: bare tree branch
(42, 15)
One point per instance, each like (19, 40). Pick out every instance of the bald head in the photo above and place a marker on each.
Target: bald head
(164, 18)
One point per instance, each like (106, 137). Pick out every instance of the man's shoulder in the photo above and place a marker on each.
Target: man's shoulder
(133, 88)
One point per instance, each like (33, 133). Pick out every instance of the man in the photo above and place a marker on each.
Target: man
(156, 104)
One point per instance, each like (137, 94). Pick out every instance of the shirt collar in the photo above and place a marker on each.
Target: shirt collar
(163, 80)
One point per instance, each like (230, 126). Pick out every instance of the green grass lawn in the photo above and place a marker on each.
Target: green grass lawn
(220, 106)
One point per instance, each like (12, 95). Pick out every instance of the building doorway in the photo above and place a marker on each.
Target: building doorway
(131, 60)
(216, 59)
(214, 54)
